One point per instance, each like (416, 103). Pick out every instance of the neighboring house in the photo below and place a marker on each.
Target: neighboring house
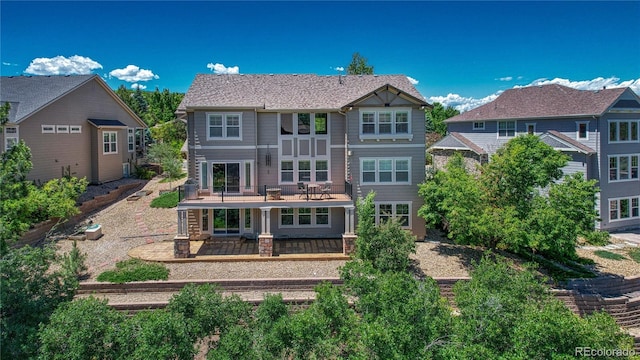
(288, 155)
(599, 130)
(74, 125)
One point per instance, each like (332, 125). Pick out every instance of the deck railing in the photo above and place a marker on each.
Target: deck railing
(308, 192)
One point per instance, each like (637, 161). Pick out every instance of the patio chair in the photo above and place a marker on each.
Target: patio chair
(302, 190)
(326, 189)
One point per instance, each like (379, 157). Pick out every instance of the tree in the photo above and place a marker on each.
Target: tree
(359, 66)
(168, 158)
(30, 290)
(436, 116)
(173, 132)
(4, 114)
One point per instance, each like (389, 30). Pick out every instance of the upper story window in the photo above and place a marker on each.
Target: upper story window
(110, 142)
(75, 129)
(399, 211)
(624, 131)
(131, 139)
(478, 125)
(304, 124)
(48, 129)
(506, 129)
(582, 130)
(623, 167)
(224, 126)
(531, 128)
(385, 171)
(62, 129)
(11, 137)
(385, 123)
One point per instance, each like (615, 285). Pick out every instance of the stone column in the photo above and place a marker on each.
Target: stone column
(181, 247)
(349, 237)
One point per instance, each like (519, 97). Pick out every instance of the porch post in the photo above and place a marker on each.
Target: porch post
(265, 238)
(349, 236)
(181, 245)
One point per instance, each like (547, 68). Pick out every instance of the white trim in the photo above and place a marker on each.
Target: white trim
(609, 141)
(14, 136)
(515, 129)
(224, 126)
(629, 167)
(62, 129)
(618, 209)
(392, 134)
(578, 123)
(75, 129)
(111, 142)
(131, 139)
(394, 171)
(210, 147)
(394, 213)
(526, 128)
(51, 129)
(386, 146)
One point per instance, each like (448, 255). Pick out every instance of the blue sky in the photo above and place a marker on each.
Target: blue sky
(459, 53)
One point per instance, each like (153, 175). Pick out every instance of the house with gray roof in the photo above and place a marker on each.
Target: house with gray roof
(74, 125)
(599, 130)
(286, 156)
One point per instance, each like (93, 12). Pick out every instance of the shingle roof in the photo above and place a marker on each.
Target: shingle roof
(567, 142)
(28, 94)
(546, 101)
(287, 91)
(106, 123)
(456, 141)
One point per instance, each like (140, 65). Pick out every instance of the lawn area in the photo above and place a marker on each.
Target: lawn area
(166, 200)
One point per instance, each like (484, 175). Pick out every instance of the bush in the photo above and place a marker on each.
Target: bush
(134, 270)
(73, 262)
(144, 173)
(609, 255)
(597, 238)
(635, 254)
(166, 200)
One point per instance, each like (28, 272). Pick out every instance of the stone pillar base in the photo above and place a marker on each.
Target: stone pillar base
(265, 245)
(181, 247)
(349, 243)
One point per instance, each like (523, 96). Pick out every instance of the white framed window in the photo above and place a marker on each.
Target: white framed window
(304, 124)
(224, 126)
(75, 129)
(582, 130)
(304, 217)
(624, 131)
(398, 210)
(62, 129)
(506, 129)
(109, 142)
(204, 175)
(304, 170)
(623, 167)
(11, 137)
(624, 208)
(385, 123)
(383, 171)
(48, 129)
(531, 128)
(286, 171)
(322, 170)
(131, 139)
(478, 125)
(307, 171)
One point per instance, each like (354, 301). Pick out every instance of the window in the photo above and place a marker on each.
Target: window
(623, 167)
(304, 124)
(304, 170)
(531, 128)
(205, 219)
(304, 217)
(130, 139)
(286, 171)
(286, 124)
(582, 130)
(624, 131)
(398, 211)
(247, 219)
(385, 122)
(204, 176)
(48, 129)
(322, 170)
(75, 129)
(11, 137)
(385, 171)
(224, 126)
(506, 129)
(62, 129)
(478, 125)
(321, 124)
(110, 142)
(624, 208)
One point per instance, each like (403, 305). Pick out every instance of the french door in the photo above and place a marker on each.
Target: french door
(226, 177)
(226, 221)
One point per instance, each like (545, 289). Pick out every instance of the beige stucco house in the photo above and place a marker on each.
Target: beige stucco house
(74, 125)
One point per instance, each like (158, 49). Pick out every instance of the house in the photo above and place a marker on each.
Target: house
(287, 155)
(599, 130)
(74, 125)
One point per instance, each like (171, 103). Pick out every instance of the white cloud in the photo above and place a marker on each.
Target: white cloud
(133, 73)
(339, 68)
(218, 68)
(463, 104)
(9, 64)
(138, 86)
(412, 80)
(60, 65)
(506, 78)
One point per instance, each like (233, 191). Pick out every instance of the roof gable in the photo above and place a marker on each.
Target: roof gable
(546, 101)
(561, 142)
(456, 141)
(289, 91)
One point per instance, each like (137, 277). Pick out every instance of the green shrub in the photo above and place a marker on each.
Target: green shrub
(635, 254)
(609, 255)
(166, 200)
(134, 270)
(144, 173)
(74, 261)
(597, 238)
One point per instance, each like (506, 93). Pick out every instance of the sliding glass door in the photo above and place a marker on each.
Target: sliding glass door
(226, 177)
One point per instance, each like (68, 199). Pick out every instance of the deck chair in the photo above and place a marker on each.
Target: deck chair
(302, 190)
(326, 190)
